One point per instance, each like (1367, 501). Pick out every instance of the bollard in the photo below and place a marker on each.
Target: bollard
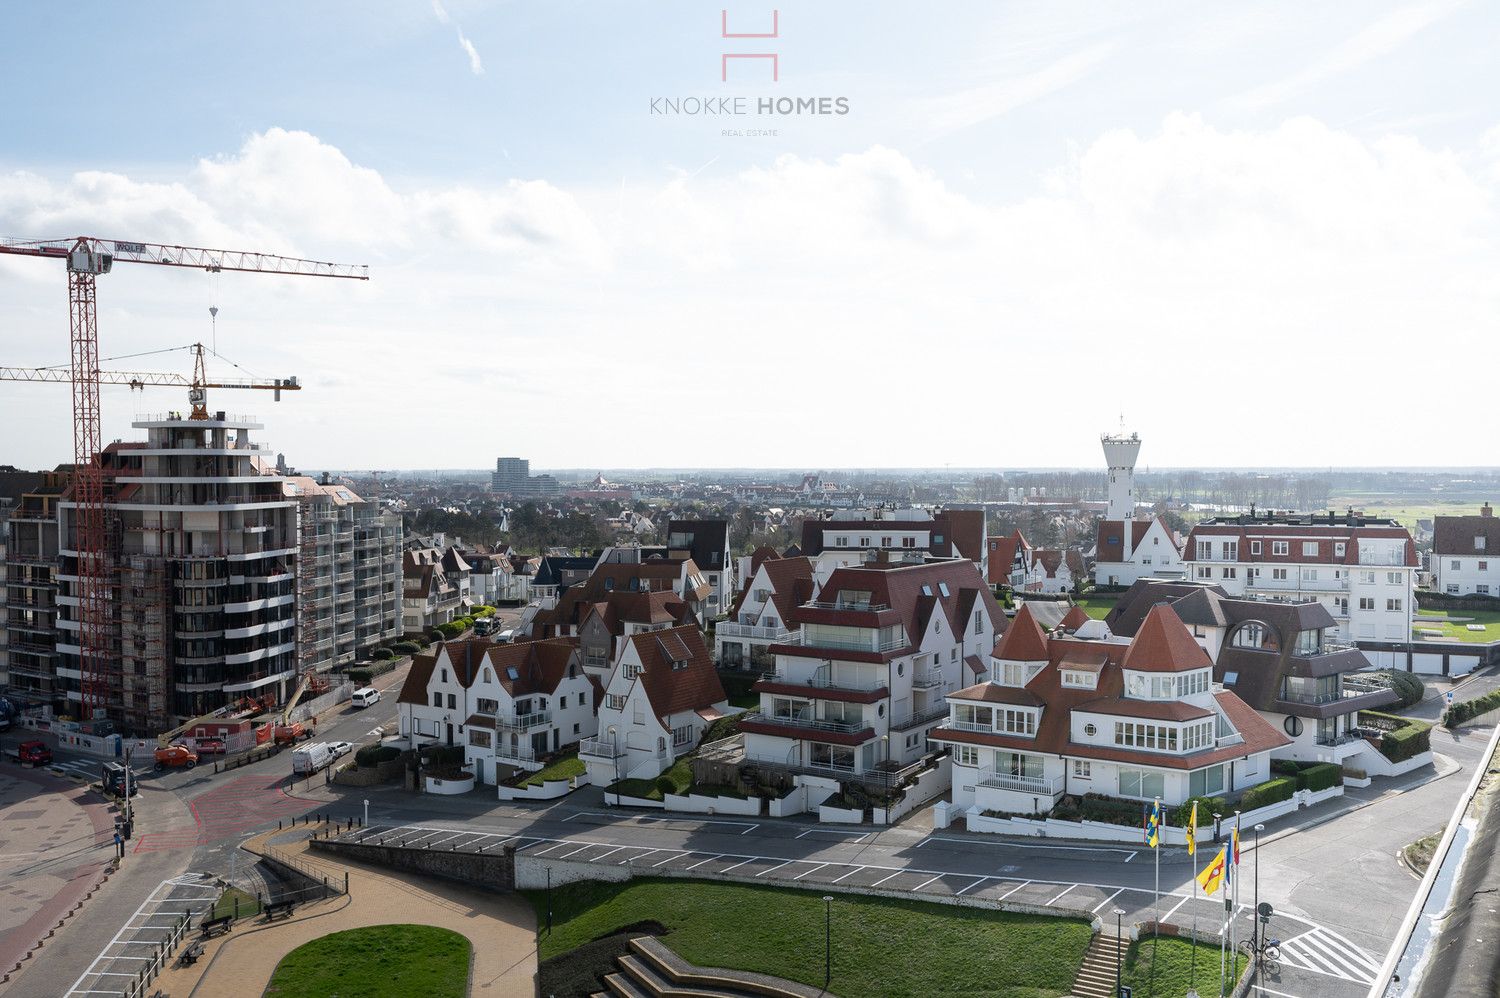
(346, 881)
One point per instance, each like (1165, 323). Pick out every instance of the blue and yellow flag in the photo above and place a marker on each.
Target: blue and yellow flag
(1153, 825)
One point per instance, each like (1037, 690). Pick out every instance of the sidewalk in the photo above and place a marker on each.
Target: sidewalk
(500, 928)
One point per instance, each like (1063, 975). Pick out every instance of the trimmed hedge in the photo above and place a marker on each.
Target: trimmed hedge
(374, 755)
(1207, 808)
(1404, 743)
(446, 755)
(1407, 686)
(1466, 710)
(1115, 811)
(382, 654)
(1320, 777)
(1273, 791)
(406, 648)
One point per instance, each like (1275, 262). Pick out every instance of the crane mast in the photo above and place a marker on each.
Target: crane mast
(86, 257)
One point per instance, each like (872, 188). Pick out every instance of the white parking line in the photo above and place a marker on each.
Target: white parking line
(1106, 901)
(702, 861)
(643, 855)
(887, 877)
(859, 836)
(852, 871)
(675, 854)
(1060, 896)
(1179, 904)
(1014, 889)
(778, 866)
(610, 853)
(580, 849)
(806, 872)
(973, 885)
(926, 882)
(740, 863)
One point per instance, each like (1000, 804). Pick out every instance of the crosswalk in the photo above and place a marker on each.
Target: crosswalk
(87, 770)
(1324, 951)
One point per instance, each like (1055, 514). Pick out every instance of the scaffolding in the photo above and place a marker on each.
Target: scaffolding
(145, 669)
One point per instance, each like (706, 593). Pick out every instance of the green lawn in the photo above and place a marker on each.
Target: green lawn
(381, 961)
(1098, 607)
(881, 946)
(1174, 966)
(681, 775)
(1459, 631)
(559, 769)
(226, 904)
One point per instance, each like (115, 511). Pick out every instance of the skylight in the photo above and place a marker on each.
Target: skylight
(943, 588)
(926, 590)
(512, 673)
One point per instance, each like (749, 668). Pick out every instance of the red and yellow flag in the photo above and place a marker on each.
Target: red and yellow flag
(1213, 874)
(1192, 830)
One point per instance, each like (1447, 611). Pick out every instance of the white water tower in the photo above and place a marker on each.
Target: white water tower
(1120, 453)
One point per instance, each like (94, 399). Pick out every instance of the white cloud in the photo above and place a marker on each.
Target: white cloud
(854, 311)
(1374, 41)
(440, 11)
(476, 65)
(973, 105)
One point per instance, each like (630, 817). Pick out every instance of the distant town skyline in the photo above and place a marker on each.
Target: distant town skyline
(1264, 234)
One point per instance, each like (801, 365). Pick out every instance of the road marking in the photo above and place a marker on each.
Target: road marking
(778, 866)
(702, 861)
(740, 863)
(749, 830)
(669, 859)
(924, 883)
(806, 872)
(973, 885)
(556, 845)
(852, 871)
(1064, 891)
(1013, 890)
(643, 855)
(1027, 845)
(1107, 900)
(887, 877)
(859, 836)
(1179, 904)
(1267, 991)
(603, 854)
(576, 851)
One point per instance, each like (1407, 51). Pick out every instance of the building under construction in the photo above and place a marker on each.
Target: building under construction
(224, 580)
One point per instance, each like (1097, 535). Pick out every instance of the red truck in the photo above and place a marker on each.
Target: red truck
(34, 754)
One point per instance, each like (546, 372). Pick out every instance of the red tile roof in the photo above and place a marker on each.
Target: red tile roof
(1163, 644)
(1023, 640)
(1074, 619)
(692, 685)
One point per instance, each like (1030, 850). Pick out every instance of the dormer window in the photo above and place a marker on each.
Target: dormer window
(1479, 542)
(1079, 680)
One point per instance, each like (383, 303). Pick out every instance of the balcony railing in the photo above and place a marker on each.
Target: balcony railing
(523, 722)
(1356, 687)
(727, 629)
(601, 748)
(841, 605)
(920, 717)
(926, 679)
(514, 753)
(805, 720)
(1050, 787)
(1342, 738)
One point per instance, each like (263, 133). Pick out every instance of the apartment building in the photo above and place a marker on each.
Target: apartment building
(707, 543)
(861, 681)
(953, 533)
(435, 588)
(1362, 569)
(1279, 656)
(1009, 557)
(762, 614)
(1465, 558)
(660, 696)
(30, 611)
(1087, 712)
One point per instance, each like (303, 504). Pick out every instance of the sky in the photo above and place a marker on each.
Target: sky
(1260, 234)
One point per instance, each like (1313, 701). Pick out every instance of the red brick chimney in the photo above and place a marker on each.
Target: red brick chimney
(1485, 510)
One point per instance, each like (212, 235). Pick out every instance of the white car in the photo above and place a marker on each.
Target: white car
(340, 749)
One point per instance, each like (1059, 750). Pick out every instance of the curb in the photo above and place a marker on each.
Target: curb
(1360, 806)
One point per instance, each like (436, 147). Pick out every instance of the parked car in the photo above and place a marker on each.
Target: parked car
(34, 754)
(340, 749)
(366, 696)
(177, 756)
(310, 759)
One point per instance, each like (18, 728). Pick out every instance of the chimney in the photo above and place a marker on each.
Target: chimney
(1485, 510)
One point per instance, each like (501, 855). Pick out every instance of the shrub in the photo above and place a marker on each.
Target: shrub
(1405, 742)
(374, 755)
(1273, 791)
(435, 636)
(483, 611)
(406, 648)
(382, 654)
(1408, 687)
(1097, 807)
(665, 785)
(360, 677)
(1207, 808)
(449, 630)
(724, 727)
(1465, 710)
(1320, 777)
(445, 756)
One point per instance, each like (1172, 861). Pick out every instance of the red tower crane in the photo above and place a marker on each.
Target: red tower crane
(86, 257)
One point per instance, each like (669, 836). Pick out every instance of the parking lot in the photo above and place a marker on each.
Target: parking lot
(139, 943)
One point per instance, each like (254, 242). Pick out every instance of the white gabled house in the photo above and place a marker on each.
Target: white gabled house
(661, 694)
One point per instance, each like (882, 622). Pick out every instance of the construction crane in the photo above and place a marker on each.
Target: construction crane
(197, 385)
(85, 258)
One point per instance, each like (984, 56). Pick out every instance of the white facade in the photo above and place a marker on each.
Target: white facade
(1120, 453)
(1153, 555)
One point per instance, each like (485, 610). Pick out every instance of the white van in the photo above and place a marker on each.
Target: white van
(366, 696)
(507, 635)
(310, 759)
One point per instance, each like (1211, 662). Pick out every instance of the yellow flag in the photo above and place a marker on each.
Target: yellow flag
(1213, 874)
(1192, 830)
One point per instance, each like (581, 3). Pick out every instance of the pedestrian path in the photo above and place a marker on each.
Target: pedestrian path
(138, 945)
(228, 809)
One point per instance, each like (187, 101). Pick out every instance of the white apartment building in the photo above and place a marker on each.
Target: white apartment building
(849, 535)
(1465, 559)
(1362, 569)
(863, 680)
(762, 615)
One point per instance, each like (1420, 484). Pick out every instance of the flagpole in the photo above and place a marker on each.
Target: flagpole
(1161, 821)
(1192, 835)
(1234, 911)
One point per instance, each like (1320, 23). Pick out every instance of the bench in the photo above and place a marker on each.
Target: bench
(213, 926)
(279, 909)
(192, 953)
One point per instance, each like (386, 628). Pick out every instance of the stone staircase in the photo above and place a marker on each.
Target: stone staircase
(650, 970)
(1096, 978)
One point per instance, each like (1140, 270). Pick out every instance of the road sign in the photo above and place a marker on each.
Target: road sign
(1448, 698)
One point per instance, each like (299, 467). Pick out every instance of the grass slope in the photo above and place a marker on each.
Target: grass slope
(565, 768)
(1174, 966)
(881, 946)
(1098, 607)
(380, 961)
(1459, 631)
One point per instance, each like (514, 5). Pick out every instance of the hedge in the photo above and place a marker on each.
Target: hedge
(1404, 743)
(1309, 775)
(1273, 791)
(446, 755)
(1408, 687)
(382, 654)
(360, 677)
(483, 611)
(374, 755)
(406, 648)
(1207, 808)
(1115, 811)
(1465, 710)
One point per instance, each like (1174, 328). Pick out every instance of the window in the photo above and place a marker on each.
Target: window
(1478, 542)
(1230, 572)
(632, 670)
(489, 677)
(640, 713)
(1484, 566)
(1396, 578)
(437, 699)
(1091, 729)
(1367, 578)
(969, 716)
(1204, 572)
(1309, 549)
(614, 701)
(1339, 547)
(841, 542)
(1020, 722)
(1206, 782)
(1482, 589)
(1255, 547)
(1141, 783)
(1452, 589)
(682, 735)
(562, 703)
(1081, 769)
(1282, 548)
(1453, 565)
(1155, 737)
(1252, 635)
(908, 542)
(965, 755)
(979, 621)
(1393, 604)
(486, 706)
(443, 673)
(1078, 680)
(479, 737)
(452, 702)
(1278, 574)
(885, 542)
(1367, 602)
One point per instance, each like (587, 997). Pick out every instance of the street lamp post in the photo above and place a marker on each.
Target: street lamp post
(614, 751)
(1119, 938)
(827, 940)
(1255, 922)
(885, 773)
(367, 812)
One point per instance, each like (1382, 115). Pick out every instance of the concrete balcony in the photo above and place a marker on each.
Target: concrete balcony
(523, 722)
(1039, 785)
(918, 717)
(927, 679)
